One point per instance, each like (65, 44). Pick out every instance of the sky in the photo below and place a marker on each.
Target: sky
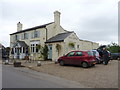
(92, 20)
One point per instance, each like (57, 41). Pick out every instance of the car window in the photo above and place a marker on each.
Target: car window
(90, 53)
(94, 52)
(70, 54)
(78, 54)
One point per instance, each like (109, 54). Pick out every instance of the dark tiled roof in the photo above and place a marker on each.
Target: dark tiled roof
(58, 38)
(21, 43)
(33, 28)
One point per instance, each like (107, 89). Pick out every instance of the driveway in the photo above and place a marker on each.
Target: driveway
(100, 76)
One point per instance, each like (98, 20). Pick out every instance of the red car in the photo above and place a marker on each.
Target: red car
(83, 58)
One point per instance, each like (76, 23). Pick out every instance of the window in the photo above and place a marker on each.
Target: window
(22, 36)
(27, 50)
(90, 53)
(20, 49)
(32, 35)
(78, 46)
(16, 37)
(15, 50)
(25, 35)
(34, 48)
(70, 54)
(78, 54)
(35, 34)
(23, 50)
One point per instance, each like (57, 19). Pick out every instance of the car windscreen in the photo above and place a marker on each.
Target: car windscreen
(95, 53)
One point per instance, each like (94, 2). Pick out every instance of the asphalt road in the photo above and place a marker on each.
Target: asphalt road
(25, 78)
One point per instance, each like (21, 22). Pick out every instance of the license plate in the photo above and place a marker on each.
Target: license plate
(94, 63)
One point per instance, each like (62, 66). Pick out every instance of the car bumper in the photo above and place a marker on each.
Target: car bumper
(92, 63)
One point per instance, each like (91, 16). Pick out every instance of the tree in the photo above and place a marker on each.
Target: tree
(113, 48)
(43, 51)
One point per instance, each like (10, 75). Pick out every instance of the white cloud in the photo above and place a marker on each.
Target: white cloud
(88, 18)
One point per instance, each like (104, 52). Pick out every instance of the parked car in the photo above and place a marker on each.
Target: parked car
(82, 58)
(115, 56)
(97, 56)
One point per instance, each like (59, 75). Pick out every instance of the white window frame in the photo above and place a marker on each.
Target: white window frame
(33, 46)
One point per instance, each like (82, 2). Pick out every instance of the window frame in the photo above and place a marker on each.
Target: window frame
(71, 55)
(26, 35)
(78, 55)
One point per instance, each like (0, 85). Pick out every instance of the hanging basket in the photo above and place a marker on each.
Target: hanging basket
(71, 45)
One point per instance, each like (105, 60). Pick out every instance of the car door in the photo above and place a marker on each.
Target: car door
(69, 57)
(78, 58)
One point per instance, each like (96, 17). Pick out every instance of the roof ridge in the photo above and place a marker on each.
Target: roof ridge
(65, 32)
(40, 26)
(59, 37)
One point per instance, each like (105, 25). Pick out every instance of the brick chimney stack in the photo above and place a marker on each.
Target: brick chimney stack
(57, 18)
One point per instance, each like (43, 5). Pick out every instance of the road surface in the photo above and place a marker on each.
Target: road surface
(25, 78)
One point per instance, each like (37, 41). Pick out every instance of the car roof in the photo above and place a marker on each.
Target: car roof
(80, 51)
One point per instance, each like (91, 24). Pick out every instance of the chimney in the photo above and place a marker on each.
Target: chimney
(57, 18)
(19, 26)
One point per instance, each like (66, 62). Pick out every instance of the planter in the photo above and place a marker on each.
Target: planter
(6, 62)
(26, 57)
(17, 64)
(39, 63)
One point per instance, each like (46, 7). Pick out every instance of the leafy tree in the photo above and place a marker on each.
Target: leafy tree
(113, 48)
(43, 51)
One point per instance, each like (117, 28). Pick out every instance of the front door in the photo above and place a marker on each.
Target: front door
(49, 51)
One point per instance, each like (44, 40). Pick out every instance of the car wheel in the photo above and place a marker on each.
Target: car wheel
(62, 63)
(84, 64)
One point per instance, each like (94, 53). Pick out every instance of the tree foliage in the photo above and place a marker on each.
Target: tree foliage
(71, 44)
(43, 51)
(113, 48)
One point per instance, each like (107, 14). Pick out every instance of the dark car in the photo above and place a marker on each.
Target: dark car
(82, 58)
(115, 56)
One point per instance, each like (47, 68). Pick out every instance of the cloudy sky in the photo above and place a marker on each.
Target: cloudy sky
(93, 20)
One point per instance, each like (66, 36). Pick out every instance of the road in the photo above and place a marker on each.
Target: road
(25, 78)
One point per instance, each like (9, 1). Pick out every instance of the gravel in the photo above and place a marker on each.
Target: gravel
(99, 76)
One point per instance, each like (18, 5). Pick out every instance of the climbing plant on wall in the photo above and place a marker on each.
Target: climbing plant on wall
(58, 47)
(71, 44)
